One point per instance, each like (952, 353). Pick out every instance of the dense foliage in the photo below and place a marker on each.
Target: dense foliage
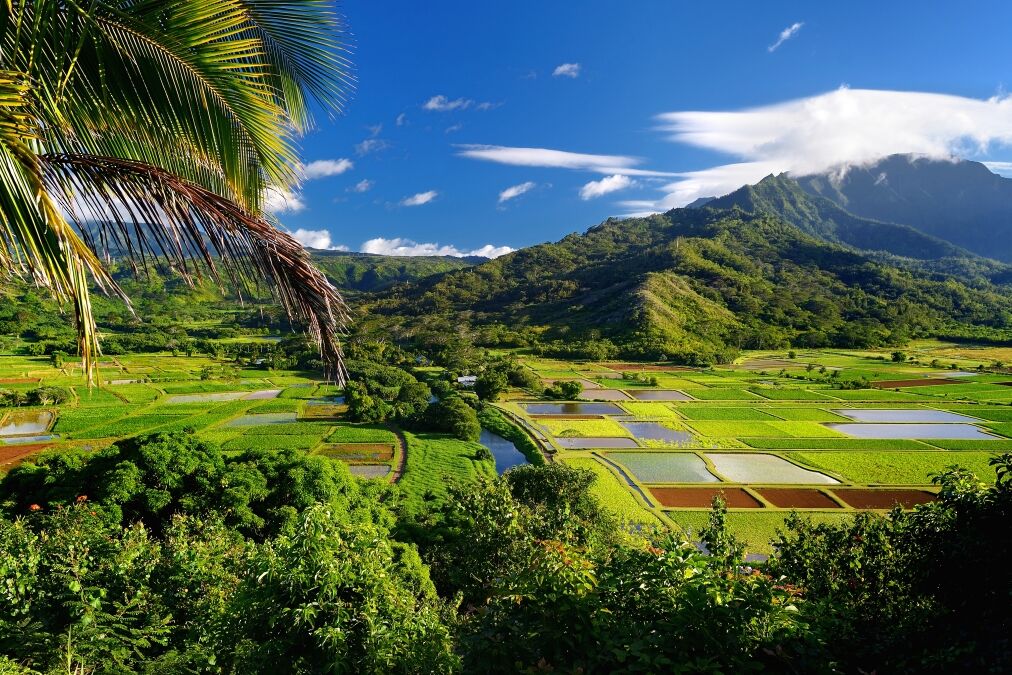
(697, 285)
(162, 567)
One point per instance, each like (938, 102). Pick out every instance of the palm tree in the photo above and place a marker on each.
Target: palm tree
(159, 127)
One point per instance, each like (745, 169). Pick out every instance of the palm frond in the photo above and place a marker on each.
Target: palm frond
(151, 212)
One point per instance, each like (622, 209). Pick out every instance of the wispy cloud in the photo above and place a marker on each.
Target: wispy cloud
(567, 70)
(420, 198)
(318, 239)
(453, 128)
(283, 201)
(401, 120)
(829, 132)
(559, 159)
(515, 191)
(607, 185)
(786, 34)
(409, 247)
(363, 185)
(1000, 168)
(322, 168)
(441, 103)
(371, 145)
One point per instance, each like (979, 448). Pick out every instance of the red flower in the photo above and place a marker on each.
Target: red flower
(82, 498)
(34, 507)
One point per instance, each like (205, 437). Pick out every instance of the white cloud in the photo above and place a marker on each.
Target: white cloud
(515, 191)
(786, 34)
(402, 246)
(370, 145)
(567, 70)
(319, 239)
(454, 127)
(599, 188)
(830, 132)
(441, 103)
(375, 130)
(487, 105)
(363, 185)
(283, 201)
(559, 159)
(420, 198)
(326, 167)
(402, 119)
(1000, 168)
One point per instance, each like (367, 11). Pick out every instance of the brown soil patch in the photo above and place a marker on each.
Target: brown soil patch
(861, 498)
(919, 382)
(652, 367)
(19, 380)
(702, 498)
(796, 498)
(12, 454)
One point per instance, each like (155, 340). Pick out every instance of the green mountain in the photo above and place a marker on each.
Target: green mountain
(959, 201)
(369, 272)
(821, 217)
(695, 285)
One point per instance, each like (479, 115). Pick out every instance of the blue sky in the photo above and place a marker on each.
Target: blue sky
(457, 102)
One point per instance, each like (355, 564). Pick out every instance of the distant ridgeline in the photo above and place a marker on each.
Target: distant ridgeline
(368, 272)
(767, 266)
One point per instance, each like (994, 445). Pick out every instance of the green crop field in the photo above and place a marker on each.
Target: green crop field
(588, 428)
(897, 468)
(731, 414)
(434, 461)
(650, 409)
(612, 493)
(806, 415)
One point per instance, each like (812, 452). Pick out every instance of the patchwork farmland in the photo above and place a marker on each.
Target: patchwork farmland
(773, 435)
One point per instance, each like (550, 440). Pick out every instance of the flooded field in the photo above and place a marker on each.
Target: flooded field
(904, 416)
(23, 423)
(912, 431)
(763, 468)
(573, 409)
(369, 470)
(654, 431)
(664, 467)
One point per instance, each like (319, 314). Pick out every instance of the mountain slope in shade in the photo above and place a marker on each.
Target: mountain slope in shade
(820, 217)
(961, 202)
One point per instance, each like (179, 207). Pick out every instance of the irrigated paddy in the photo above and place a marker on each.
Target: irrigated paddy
(573, 409)
(764, 468)
(912, 431)
(903, 416)
(654, 431)
(664, 467)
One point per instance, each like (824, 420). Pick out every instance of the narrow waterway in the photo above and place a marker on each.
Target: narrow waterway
(506, 454)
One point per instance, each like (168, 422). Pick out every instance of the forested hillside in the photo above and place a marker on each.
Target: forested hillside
(696, 285)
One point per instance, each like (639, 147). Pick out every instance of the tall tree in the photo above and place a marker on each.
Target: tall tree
(160, 127)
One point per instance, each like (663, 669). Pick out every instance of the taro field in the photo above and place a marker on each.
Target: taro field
(823, 433)
(141, 394)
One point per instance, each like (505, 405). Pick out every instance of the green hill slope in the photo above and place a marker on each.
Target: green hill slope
(695, 285)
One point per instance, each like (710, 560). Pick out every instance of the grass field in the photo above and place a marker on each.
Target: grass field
(434, 462)
(611, 492)
(895, 468)
(589, 428)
